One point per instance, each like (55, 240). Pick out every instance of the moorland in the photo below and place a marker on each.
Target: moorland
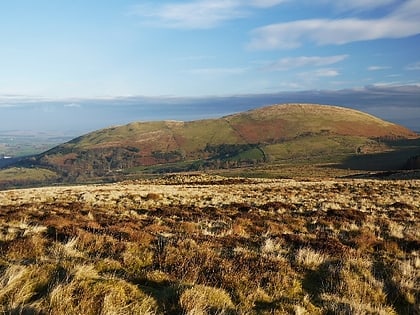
(201, 244)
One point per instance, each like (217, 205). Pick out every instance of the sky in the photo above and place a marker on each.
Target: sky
(86, 64)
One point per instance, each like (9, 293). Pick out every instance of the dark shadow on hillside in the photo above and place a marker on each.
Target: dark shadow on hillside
(5, 162)
(325, 279)
(395, 297)
(166, 293)
(395, 159)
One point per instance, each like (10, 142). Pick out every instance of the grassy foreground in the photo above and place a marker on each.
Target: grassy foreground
(212, 245)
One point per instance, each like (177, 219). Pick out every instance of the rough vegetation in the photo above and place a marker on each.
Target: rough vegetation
(202, 244)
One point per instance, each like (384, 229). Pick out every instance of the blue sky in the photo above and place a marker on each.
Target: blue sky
(68, 54)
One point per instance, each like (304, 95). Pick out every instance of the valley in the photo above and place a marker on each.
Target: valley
(15, 144)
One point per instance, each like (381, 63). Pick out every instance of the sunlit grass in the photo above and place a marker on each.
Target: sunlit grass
(212, 245)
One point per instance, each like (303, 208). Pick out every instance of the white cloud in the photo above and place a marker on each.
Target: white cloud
(202, 14)
(403, 22)
(324, 73)
(413, 66)
(378, 68)
(409, 10)
(386, 84)
(21, 99)
(303, 61)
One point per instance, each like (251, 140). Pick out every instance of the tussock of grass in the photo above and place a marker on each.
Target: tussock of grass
(206, 300)
(21, 285)
(407, 278)
(136, 258)
(100, 295)
(310, 259)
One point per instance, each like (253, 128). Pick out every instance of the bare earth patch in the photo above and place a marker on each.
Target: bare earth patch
(212, 245)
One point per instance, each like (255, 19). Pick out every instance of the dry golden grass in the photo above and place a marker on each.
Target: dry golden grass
(202, 299)
(212, 245)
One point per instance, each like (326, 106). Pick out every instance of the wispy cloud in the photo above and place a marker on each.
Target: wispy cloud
(320, 73)
(378, 68)
(19, 99)
(202, 14)
(303, 61)
(264, 3)
(326, 73)
(413, 66)
(403, 22)
(359, 5)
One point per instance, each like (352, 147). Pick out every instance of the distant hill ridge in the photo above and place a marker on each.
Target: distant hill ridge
(261, 135)
(302, 118)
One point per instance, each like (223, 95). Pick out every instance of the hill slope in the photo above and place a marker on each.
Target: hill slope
(214, 246)
(273, 133)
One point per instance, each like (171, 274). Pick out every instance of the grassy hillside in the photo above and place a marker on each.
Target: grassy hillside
(275, 134)
(212, 245)
(292, 120)
(18, 176)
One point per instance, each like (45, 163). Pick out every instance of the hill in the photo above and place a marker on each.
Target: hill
(268, 135)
